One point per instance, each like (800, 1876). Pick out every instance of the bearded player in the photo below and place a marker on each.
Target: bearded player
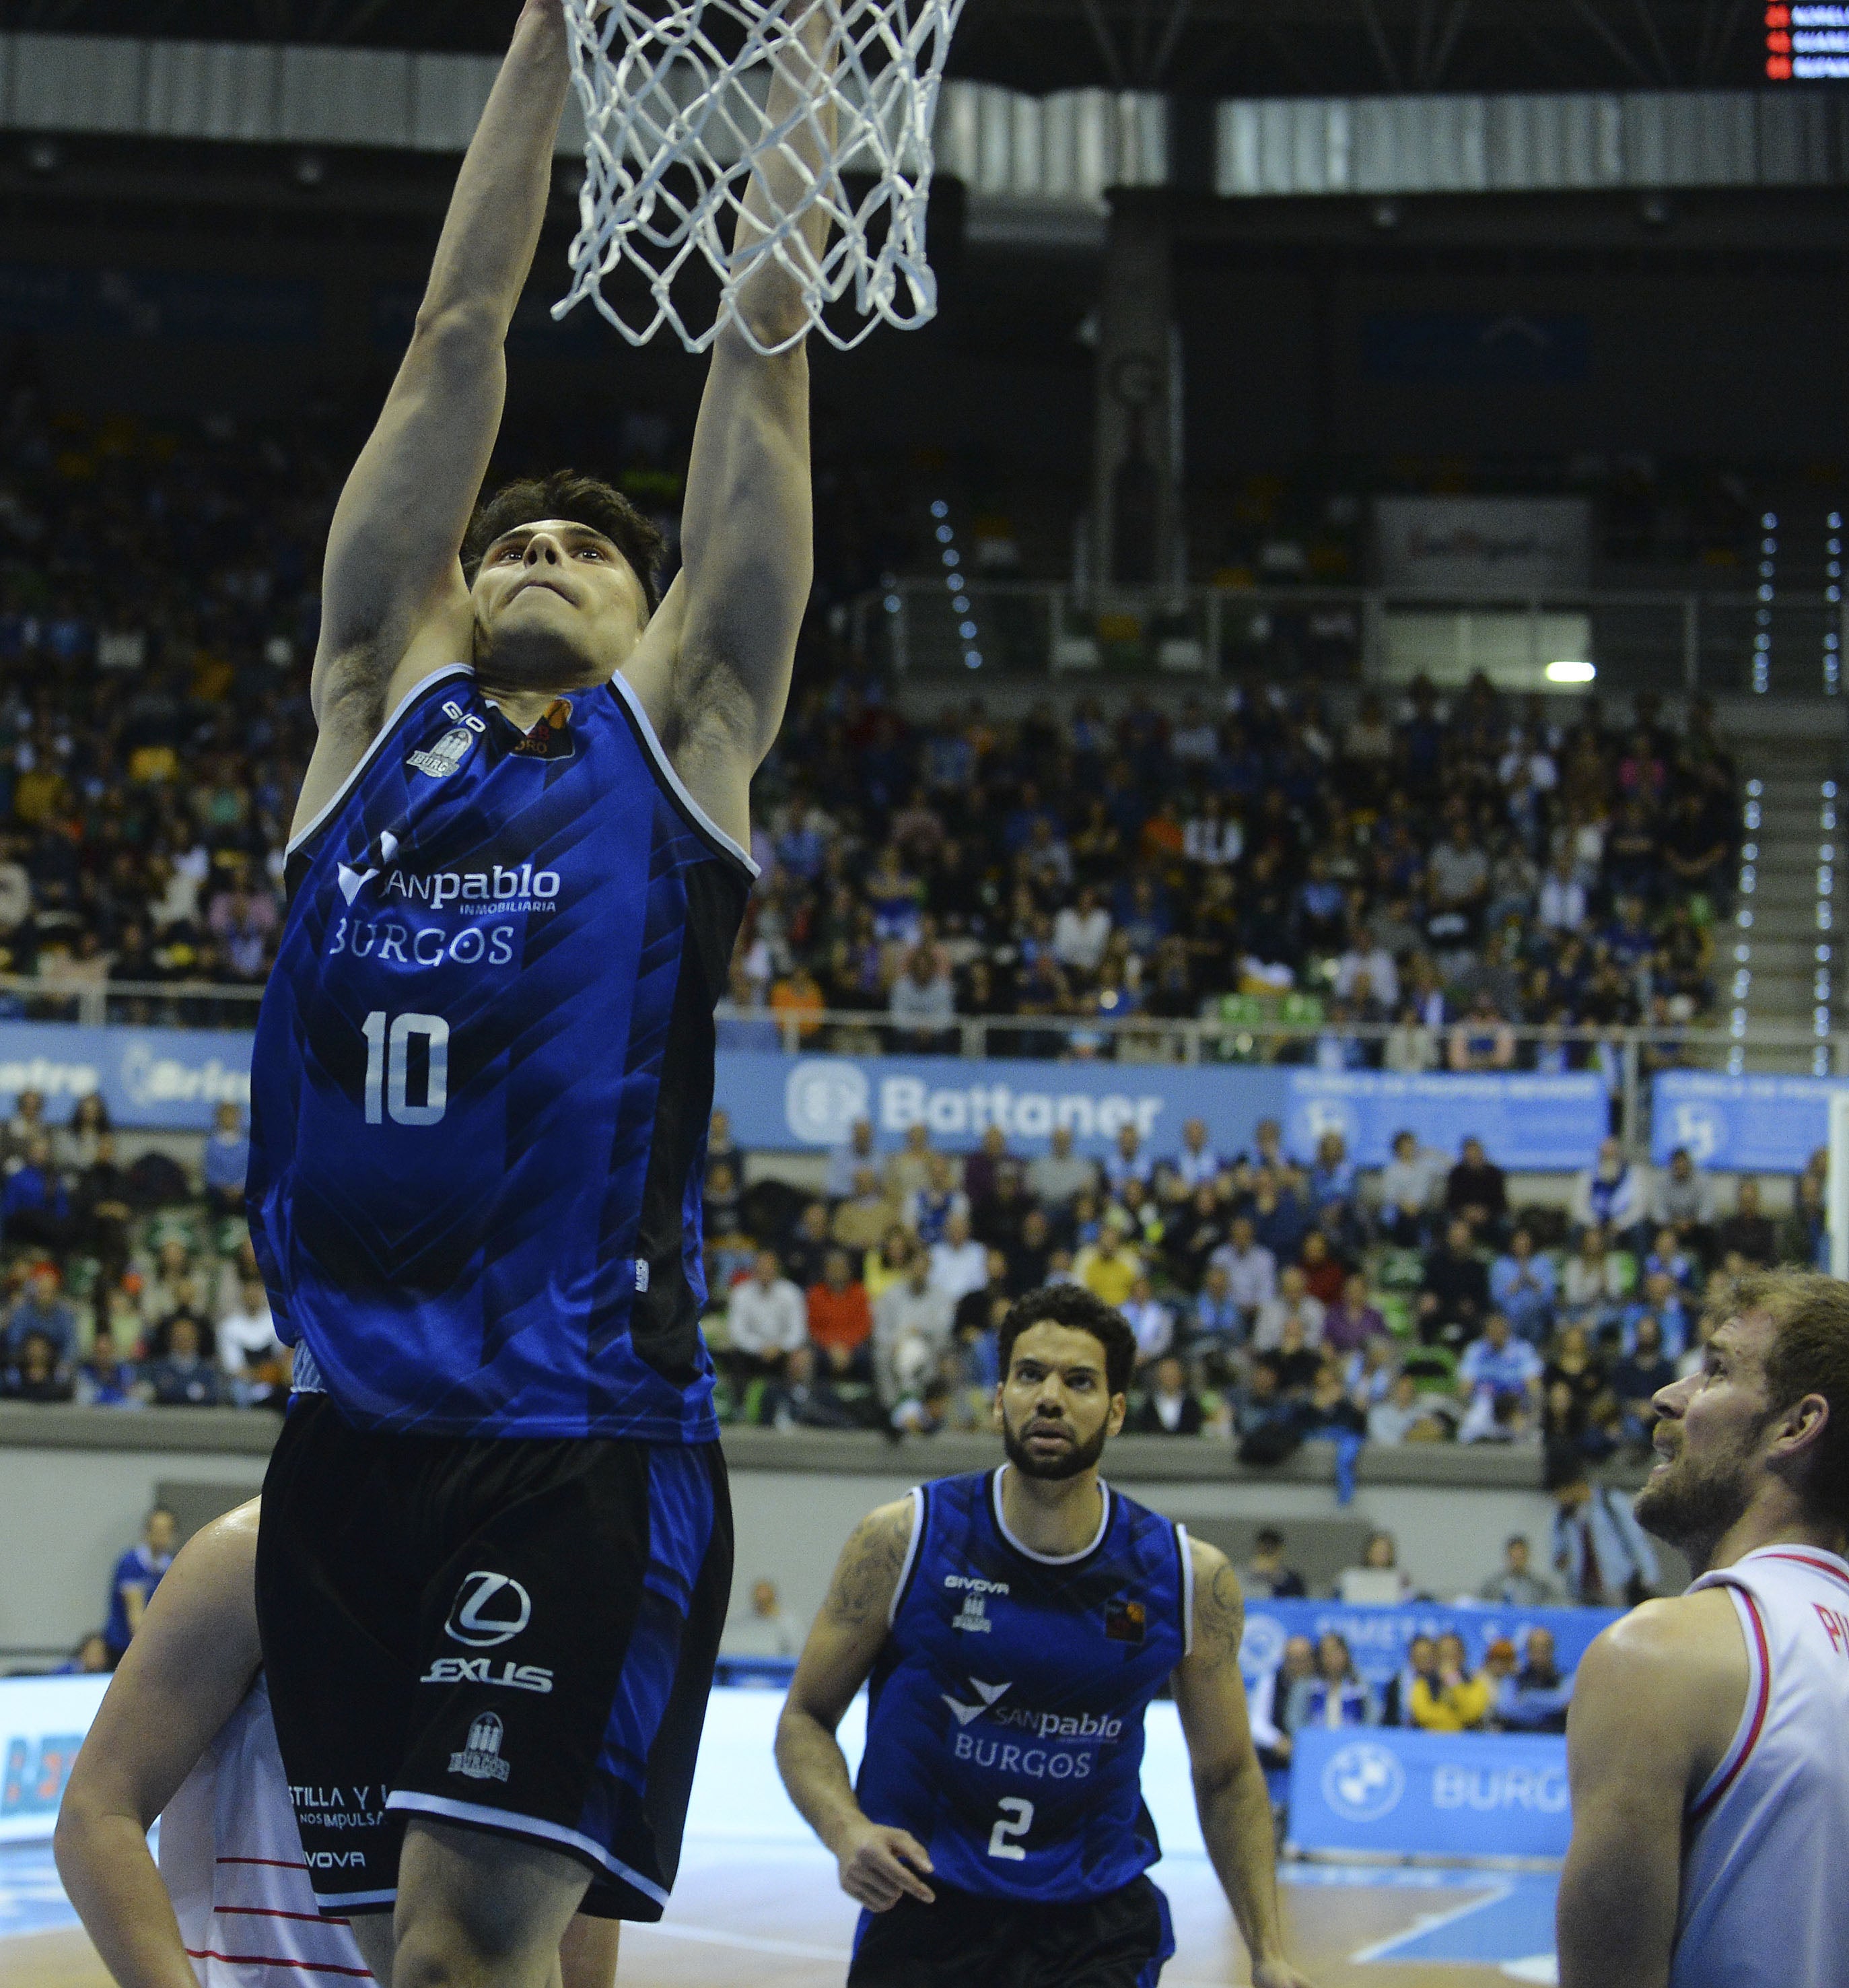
(183, 1733)
(1709, 1739)
(496, 1543)
(1016, 1625)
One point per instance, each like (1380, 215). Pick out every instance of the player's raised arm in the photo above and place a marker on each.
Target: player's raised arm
(183, 1676)
(1229, 1789)
(1655, 1701)
(719, 668)
(392, 568)
(877, 1863)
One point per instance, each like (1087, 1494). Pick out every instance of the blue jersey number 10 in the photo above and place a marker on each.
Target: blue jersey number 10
(388, 1067)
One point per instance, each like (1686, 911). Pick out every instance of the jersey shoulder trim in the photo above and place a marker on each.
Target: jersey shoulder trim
(1752, 1714)
(1185, 1549)
(631, 705)
(913, 1546)
(372, 752)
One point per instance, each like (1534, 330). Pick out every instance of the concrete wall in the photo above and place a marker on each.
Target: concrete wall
(75, 1483)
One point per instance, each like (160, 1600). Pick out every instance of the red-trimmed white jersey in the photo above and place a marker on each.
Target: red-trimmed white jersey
(232, 1864)
(1764, 1897)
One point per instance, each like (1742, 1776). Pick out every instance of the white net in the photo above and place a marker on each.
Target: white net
(687, 101)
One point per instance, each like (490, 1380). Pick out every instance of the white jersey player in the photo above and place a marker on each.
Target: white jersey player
(184, 1734)
(1709, 1739)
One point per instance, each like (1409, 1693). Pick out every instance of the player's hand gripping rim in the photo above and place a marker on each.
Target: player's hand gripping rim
(879, 1865)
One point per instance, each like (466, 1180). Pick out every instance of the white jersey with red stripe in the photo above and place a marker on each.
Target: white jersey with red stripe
(1764, 1900)
(232, 1864)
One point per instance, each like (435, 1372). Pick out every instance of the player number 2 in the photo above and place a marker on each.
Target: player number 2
(388, 1069)
(1016, 1819)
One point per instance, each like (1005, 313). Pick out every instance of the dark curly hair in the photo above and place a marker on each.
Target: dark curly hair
(585, 501)
(1073, 1305)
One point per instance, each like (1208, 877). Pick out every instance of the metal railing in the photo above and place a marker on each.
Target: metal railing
(186, 1004)
(1626, 1058)
(1644, 638)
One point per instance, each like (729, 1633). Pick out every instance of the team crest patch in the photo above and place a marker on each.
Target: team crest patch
(1125, 1622)
(551, 738)
(446, 756)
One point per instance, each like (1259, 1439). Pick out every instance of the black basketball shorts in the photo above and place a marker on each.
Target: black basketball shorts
(508, 1634)
(1121, 1940)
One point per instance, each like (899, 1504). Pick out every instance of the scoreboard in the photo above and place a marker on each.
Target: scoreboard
(1806, 43)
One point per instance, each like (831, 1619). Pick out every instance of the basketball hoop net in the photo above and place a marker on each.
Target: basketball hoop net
(675, 129)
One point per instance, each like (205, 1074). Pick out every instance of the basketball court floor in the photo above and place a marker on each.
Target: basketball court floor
(757, 1905)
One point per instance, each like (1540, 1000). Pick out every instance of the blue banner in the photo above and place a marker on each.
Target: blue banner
(1434, 1794)
(1742, 1124)
(1378, 1637)
(170, 1080)
(780, 1100)
(42, 1723)
(1541, 1124)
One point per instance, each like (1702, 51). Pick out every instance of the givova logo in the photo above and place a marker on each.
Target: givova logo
(1362, 1782)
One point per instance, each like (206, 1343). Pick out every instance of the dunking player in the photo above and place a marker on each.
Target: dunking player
(1016, 1625)
(495, 1546)
(184, 1734)
(1708, 1740)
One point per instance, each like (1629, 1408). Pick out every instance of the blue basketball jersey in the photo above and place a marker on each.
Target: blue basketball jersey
(1005, 1729)
(482, 1074)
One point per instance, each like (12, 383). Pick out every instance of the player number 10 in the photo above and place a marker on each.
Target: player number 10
(1016, 1819)
(387, 1068)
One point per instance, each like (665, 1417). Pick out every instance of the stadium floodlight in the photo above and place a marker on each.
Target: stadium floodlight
(1571, 673)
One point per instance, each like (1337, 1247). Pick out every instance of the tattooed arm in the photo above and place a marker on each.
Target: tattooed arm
(877, 1863)
(1229, 1789)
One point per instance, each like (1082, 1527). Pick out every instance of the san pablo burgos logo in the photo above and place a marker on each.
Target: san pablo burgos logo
(973, 1616)
(442, 758)
(489, 1608)
(1362, 1782)
(354, 882)
(986, 1694)
(480, 1759)
(495, 887)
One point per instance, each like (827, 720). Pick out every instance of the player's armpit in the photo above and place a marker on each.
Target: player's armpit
(1655, 1702)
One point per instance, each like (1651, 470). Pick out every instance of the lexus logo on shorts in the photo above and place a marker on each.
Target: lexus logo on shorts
(489, 1608)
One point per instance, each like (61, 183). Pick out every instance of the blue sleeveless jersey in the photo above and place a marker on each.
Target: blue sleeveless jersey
(1005, 1729)
(483, 1073)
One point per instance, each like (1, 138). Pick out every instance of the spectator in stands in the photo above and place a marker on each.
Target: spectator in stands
(1108, 1268)
(1482, 1040)
(985, 1170)
(846, 1160)
(33, 1373)
(35, 1203)
(1127, 1161)
(805, 1396)
(1171, 1406)
(1271, 1695)
(1059, 1175)
(1150, 1320)
(1663, 1302)
(1747, 1232)
(959, 1264)
(1450, 1700)
(926, 1212)
(1335, 1694)
(1638, 1377)
(1561, 904)
(246, 1338)
(1197, 1165)
(1611, 1194)
(1292, 1306)
(720, 1203)
(104, 1379)
(863, 1222)
(841, 1318)
(1497, 1369)
(1406, 1182)
(1682, 1198)
(1517, 1585)
(1266, 1576)
(1352, 1321)
(722, 1148)
(1380, 1557)
(1477, 1191)
(26, 1123)
(1594, 1283)
(227, 1160)
(138, 1573)
(1522, 1287)
(1216, 1323)
(768, 1630)
(1324, 1274)
(76, 1146)
(908, 1171)
(922, 1006)
(1536, 1698)
(41, 1310)
(808, 1244)
(1455, 1296)
(1421, 1664)
(1600, 1552)
(183, 1376)
(1394, 1420)
(911, 1334)
(765, 1321)
(1251, 1269)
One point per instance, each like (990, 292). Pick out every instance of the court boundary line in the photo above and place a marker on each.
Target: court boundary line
(1429, 1922)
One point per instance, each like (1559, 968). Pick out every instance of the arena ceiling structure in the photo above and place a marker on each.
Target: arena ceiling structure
(1198, 48)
